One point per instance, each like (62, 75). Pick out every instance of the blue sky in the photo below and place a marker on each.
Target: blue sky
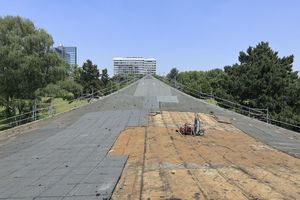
(187, 34)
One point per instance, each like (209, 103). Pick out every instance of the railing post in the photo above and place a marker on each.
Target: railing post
(249, 112)
(51, 109)
(34, 111)
(15, 121)
(32, 115)
(175, 82)
(200, 93)
(267, 115)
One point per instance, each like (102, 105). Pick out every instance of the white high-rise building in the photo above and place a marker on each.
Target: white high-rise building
(134, 65)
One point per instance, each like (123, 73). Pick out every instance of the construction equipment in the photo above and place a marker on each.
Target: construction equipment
(192, 129)
(186, 129)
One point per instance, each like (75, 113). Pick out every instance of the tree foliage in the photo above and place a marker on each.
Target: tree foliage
(54, 91)
(90, 76)
(71, 86)
(27, 62)
(264, 79)
(261, 79)
(31, 70)
(172, 74)
(104, 77)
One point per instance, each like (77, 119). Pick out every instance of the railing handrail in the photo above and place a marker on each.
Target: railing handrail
(53, 106)
(259, 111)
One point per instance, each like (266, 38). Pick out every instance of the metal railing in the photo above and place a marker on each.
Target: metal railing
(46, 110)
(261, 114)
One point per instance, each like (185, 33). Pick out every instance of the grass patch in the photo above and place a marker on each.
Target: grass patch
(61, 105)
(211, 101)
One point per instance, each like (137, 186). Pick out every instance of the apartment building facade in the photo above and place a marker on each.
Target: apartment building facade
(134, 65)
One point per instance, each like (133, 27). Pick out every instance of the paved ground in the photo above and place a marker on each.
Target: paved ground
(72, 162)
(66, 157)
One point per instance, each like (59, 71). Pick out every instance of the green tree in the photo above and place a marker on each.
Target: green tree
(75, 73)
(27, 62)
(205, 82)
(104, 77)
(53, 91)
(90, 76)
(264, 79)
(71, 86)
(261, 79)
(172, 74)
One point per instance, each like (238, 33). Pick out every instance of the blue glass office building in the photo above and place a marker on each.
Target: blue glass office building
(69, 54)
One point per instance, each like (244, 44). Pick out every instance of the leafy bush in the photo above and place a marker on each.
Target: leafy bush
(71, 86)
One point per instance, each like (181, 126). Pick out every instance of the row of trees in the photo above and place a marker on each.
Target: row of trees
(30, 69)
(261, 79)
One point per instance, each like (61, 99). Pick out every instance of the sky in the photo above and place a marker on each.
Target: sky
(186, 34)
